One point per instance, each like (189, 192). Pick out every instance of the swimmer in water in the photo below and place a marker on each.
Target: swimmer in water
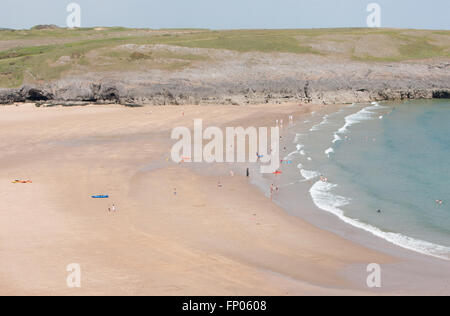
(323, 179)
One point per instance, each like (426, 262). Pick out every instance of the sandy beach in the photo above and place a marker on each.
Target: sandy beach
(205, 240)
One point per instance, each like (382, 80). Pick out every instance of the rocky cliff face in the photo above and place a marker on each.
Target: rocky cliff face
(241, 79)
(289, 90)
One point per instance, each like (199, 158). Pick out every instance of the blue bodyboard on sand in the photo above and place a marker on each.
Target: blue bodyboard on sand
(100, 196)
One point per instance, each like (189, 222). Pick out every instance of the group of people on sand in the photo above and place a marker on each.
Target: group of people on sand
(280, 122)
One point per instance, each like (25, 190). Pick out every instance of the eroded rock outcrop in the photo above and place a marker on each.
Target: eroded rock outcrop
(232, 80)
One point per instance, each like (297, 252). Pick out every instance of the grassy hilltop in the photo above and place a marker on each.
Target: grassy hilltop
(40, 55)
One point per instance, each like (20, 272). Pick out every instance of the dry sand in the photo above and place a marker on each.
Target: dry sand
(205, 240)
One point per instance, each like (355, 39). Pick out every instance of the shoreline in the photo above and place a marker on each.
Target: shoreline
(318, 190)
(334, 223)
(157, 245)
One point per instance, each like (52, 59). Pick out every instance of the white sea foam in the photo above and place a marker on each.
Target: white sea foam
(329, 202)
(297, 138)
(329, 151)
(336, 138)
(358, 117)
(365, 114)
(308, 174)
(298, 151)
(319, 125)
(324, 199)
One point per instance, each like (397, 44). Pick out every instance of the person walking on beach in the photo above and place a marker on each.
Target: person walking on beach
(112, 208)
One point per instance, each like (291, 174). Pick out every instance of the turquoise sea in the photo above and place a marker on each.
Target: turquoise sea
(384, 168)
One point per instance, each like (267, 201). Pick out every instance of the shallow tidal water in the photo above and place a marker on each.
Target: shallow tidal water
(385, 167)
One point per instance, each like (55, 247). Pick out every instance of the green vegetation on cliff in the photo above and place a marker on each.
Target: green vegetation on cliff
(39, 55)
